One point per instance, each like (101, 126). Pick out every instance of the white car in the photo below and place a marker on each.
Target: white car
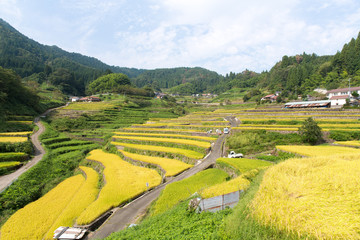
(232, 154)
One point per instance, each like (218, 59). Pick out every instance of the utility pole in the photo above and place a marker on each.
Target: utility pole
(349, 89)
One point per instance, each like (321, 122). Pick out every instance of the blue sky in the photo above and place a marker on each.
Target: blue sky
(220, 35)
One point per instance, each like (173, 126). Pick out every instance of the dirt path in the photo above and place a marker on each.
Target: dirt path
(7, 180)
(128, 214)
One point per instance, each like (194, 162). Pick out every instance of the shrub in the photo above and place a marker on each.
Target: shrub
(310, 132)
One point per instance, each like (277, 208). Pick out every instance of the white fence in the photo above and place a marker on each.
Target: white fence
(218, 203)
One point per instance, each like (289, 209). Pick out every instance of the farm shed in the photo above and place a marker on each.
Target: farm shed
(309, 104)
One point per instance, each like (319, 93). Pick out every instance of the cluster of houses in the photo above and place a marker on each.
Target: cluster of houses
(85, 99)
(336, 98)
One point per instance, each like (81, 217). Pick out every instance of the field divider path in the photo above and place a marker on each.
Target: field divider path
(126, 215)
(7, 180)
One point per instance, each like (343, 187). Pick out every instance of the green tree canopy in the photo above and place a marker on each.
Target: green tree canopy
(108, 83)
(310, 132)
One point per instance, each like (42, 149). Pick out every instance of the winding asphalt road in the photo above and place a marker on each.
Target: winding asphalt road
(7, 180)
(128, 214)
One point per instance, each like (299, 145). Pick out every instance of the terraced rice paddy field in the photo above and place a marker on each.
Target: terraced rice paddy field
(14, 144)
(315, 196)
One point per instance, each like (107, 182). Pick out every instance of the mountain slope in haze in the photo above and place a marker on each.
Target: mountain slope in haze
(181, 80)
(27, 57)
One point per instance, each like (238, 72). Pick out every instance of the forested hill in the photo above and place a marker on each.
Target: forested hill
(301, 74)
(179, 80)
(71, 71)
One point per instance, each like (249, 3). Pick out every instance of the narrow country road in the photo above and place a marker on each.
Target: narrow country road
(7, 180)
(128, 214)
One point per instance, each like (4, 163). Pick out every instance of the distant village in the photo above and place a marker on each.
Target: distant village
(335, 98)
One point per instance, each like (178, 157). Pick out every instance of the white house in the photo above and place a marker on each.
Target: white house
(338, 96)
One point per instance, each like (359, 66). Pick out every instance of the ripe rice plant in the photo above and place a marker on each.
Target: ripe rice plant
(8, 164)
(124, 181)
(185, 152)
(82, 199)
(267, 128)
(315, 196)
(313, 151)
(171, 166)
(34, 220)
(244, 164)
(169, 140)
(236, 184)
(13, 139)
(89, 106)
(24, 122)
(178, 191)
(141, 129)
(15, 133)
(348, 143)
(210, 139)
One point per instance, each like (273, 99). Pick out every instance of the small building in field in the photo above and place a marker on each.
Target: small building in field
(270, 97)
(309, 104)
(74, 99)
(89, 99)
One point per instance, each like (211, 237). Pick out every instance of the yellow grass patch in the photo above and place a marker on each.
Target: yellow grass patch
(123, 182)
(13, 139)
(171, 166)
(185, 152)
(316, 196)
(275, 128)
(313, 151)
(167, 140)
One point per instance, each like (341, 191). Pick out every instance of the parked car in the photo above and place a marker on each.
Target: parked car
(232, 154)
(226, 130)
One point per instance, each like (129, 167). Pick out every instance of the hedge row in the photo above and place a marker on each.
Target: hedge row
(55, 140)
(13, 156)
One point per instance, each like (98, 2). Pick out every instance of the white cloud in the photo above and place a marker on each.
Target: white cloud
(9, 10)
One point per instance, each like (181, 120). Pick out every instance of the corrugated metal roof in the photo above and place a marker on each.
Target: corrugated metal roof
(308, 102)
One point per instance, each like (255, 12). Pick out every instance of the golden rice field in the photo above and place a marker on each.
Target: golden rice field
(275, 128)
(313, 151)
(349, 143)
(144, 129)
(34, 220)
(317, 196)
(24, 122)
(89, 106)
(196, 143)
(188, 153)
(124, 181)
(171, 166)
(13, 139)
(244, 164)
(204, 138)
(15, 133)
(236, 184)
(9, 164)
(181, 190)
(86, 194)
(349, 121)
